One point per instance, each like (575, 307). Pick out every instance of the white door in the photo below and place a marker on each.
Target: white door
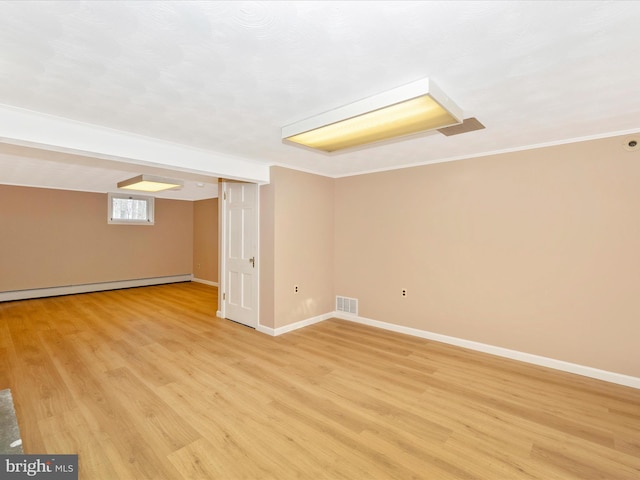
(240, 294)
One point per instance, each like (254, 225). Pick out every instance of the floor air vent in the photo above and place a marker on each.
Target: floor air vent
(347, 305)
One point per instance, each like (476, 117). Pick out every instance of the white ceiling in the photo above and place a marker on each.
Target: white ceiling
(224, 77)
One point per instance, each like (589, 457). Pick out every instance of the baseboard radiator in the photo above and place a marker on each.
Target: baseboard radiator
(90, 287)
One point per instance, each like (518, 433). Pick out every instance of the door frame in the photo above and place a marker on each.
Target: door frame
(223, 240)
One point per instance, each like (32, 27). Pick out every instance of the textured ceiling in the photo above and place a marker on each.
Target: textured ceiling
(225, 77)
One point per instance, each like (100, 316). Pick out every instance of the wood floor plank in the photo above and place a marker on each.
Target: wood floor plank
(106, 412)
(575, 464)
(147, 383)
(71, 434)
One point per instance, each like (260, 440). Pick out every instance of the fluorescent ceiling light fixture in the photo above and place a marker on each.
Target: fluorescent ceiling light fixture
(413, 108)
(149, 183)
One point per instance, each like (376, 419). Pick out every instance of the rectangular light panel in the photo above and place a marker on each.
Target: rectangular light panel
(413, 108)
(149, 183)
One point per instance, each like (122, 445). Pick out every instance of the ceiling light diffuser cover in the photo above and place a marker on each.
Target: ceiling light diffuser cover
(413, 108)
(150, 183)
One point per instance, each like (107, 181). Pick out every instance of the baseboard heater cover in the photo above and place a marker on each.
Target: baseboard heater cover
(91, 287)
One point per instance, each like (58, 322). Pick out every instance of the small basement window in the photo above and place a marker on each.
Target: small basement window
(130, 209)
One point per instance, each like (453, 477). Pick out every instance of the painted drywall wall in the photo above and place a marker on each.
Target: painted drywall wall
(267, 255)
(205, 239)
(536, 251)
(296, 213)
(51, 238)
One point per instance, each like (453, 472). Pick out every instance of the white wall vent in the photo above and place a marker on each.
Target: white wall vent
(347, 305)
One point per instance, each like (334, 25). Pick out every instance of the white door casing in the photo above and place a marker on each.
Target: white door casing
(240, 258)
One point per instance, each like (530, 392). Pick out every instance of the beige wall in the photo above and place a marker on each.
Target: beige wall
(205, 239)
(59, 238)
(267, 254)
(536, 251)
(297, 232)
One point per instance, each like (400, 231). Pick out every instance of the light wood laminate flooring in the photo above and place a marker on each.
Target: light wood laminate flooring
(147, 383)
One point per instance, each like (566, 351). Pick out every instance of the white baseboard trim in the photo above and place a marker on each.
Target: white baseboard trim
(268, 330)
(90, 287)
(274, 332)
(206, 282)
(612, 377)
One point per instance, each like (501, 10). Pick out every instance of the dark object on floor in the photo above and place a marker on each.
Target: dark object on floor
(10, 442)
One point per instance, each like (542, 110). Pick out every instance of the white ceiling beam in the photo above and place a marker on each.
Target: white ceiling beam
(33, 129)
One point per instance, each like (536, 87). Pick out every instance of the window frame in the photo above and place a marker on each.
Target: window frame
(122, 221)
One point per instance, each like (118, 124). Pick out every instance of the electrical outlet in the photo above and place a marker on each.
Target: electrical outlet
(404, 292)
(296, 289)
